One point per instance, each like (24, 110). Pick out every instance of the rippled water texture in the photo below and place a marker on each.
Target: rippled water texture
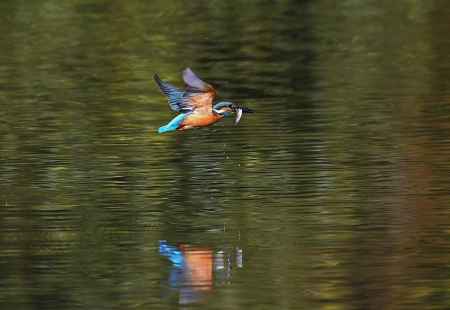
(333, 195)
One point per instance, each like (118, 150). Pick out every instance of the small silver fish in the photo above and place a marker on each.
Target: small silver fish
(239, 110)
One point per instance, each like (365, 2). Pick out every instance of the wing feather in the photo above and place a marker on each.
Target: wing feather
(198, 95)
(194, 82)
(175, 96)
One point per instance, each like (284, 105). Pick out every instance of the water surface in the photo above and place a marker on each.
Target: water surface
(333, 195)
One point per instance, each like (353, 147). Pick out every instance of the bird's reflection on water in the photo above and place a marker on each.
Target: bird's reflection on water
(196, 270)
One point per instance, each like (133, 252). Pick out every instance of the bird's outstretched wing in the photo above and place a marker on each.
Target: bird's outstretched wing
(197, 96)
(174, 96)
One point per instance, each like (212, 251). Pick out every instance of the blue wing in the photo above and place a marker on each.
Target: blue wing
(177, 98)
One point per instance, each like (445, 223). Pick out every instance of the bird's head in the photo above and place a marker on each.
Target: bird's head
(226, 109)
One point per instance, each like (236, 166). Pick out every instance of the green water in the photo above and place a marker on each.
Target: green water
(334, 195)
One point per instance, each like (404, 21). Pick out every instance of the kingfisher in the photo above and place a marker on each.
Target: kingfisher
(195, 105)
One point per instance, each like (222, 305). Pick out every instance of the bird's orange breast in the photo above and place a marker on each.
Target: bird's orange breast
(199, 120)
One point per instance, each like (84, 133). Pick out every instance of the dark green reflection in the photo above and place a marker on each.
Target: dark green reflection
(338, 185)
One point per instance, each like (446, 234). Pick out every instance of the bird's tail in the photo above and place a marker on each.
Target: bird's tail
(173, 125)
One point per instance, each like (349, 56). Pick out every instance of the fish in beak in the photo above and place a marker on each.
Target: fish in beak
(239, 110)
(238, 116)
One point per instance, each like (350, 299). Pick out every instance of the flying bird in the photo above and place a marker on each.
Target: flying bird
(195, 105)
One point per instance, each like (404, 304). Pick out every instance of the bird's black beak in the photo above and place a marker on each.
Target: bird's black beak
(246, 110)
